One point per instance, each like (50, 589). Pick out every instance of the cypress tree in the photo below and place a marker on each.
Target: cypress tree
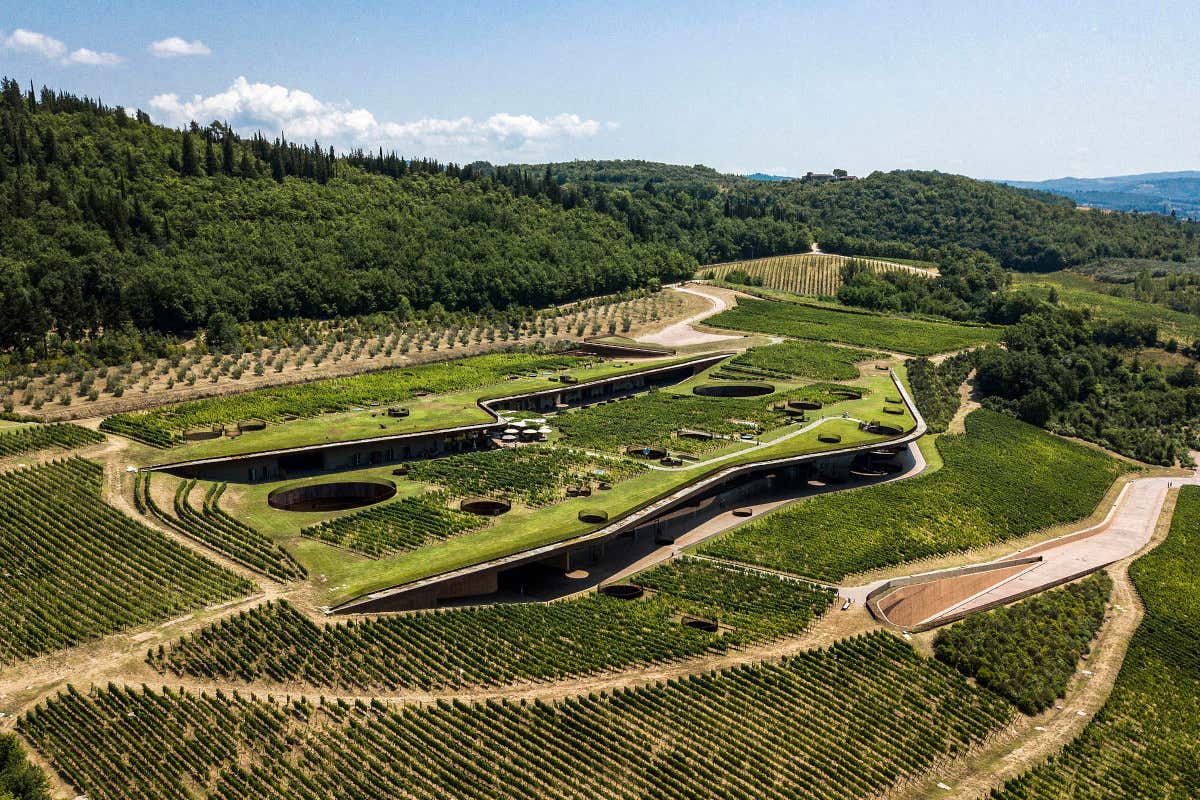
(210, 157)
(188, 165)
(227, 153)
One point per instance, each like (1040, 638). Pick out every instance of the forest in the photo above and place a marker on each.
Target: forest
(114, 222)
(119, 227)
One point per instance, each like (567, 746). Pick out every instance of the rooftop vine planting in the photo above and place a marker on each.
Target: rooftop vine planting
(651, 419)
(534, 474)
(851, 721)
(1001, 479)
(396, 527)
(789, 360)
(1143, 743)
(75, 569)
(500, 644)
(165, 426)
(1027, 652)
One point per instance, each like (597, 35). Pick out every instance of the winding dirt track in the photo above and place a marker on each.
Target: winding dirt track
(681, 334)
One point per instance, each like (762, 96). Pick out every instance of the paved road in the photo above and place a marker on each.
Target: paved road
(1127, 529)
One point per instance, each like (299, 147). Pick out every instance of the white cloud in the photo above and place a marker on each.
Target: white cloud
(174, 46)
(33, 42)
(92, 58)
(301, 116)
(50, 48)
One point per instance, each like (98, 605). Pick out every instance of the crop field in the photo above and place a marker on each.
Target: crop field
(792, 360)
(650, 419)
(535, 475)
(165, 426)
(503, 643)
(1027, 652)
(1143, 742)
(814, 274)
(213, 527)
(74, 568)
(819, 725)
(43, 437)
(861, 328)
(1000, 479)
(396, 527)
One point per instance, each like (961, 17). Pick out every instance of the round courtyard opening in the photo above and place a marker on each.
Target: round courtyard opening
(733, 389)
(622, 591)
(486, 506)
(332, 496)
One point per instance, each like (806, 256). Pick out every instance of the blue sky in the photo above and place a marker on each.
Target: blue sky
(1020, 90)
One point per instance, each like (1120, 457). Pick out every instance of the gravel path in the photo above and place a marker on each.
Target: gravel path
(682, 333)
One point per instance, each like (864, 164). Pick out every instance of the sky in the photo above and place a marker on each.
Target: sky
(1017, 90)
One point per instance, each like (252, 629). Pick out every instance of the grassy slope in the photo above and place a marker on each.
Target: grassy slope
(1001, 479)
(1143, 743)
(1079, 291)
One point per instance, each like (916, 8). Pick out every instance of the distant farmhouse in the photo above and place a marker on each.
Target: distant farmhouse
(827, 177)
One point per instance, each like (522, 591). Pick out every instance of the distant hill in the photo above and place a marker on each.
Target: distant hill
(762, 176)
(1157, 192)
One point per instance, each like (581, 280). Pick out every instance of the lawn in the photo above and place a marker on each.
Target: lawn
(864, 329)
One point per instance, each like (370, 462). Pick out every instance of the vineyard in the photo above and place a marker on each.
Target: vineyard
(862, 328)
(1001, 479)
(534, 475)
(165, 426)
(1143, 742)
(650, 419)
(75, 569)
(813, 274)
(1027, 652)
(849, 721)
(213, 527)
(42, 437)
(395, 527)
(791, 360)
(502, 643)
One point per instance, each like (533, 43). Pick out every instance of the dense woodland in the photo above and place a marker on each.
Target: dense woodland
(116, 224)
(112, 221)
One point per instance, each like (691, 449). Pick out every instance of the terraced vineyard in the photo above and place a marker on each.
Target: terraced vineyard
(1143, 742)
(164, 426)
(1001, 479)
(396, 527)
(814, 274)
(218, 530)
(819, 725)
(791, 360)
(533, 474)
(43, 437)
(75, 569)
(862, 328)
(503, 643)
(1027, 652)
(651, 419)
